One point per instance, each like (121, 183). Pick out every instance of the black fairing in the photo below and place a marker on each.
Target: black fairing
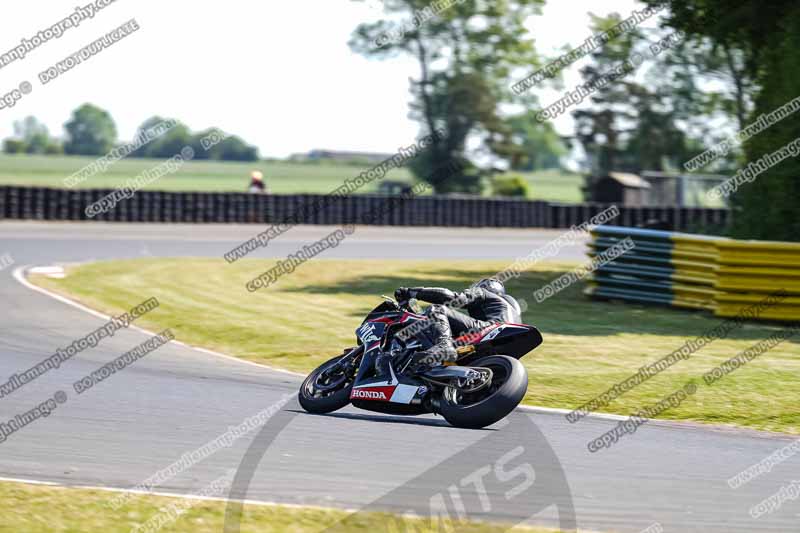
(385, 309)
(514, 341)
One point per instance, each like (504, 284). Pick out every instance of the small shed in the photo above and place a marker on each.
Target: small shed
(621, 188)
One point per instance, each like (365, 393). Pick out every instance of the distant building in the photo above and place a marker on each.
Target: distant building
(653, 188)
(685, 190)
(341, 155)
(620, 188)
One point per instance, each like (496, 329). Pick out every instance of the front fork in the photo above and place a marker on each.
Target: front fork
(348, 363)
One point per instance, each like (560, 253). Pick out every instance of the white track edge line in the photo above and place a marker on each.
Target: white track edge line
(174, 495)
(558, 411)
(19, 275)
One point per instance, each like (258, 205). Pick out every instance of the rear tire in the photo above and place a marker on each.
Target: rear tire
(498, 403)
(327, 403)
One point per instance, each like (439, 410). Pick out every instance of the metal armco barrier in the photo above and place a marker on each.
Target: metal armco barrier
(699, 272)
(35, 203)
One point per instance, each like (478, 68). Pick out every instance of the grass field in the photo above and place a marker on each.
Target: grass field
(209, 176)
(310, 315)
(38, 509)
(554, 186)
(282, 177)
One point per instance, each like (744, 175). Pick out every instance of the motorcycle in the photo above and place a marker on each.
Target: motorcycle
(484, 385)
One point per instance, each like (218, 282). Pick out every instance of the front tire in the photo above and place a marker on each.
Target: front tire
(317, 402)
(487, 406)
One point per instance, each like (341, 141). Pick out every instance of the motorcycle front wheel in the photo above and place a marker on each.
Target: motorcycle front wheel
(326, 389)
(492, 403)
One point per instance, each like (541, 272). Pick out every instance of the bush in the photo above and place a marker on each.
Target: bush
(54, 148)
(511, 185)
(14, 146)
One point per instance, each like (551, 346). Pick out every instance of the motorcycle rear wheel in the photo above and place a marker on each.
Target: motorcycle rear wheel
(487, 406)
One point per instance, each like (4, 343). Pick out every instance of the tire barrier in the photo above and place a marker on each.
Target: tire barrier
(697, 272)
(36, 203)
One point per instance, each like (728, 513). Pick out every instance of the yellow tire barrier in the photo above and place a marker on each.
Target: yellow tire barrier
(698, 272)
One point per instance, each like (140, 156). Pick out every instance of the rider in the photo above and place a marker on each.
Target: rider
(486, 302)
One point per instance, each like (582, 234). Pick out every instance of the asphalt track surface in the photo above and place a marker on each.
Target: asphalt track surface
(177, 399)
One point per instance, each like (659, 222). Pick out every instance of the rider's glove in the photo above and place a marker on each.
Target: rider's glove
(403, 294)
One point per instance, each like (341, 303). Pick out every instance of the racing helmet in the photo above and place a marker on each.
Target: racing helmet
(492, 285)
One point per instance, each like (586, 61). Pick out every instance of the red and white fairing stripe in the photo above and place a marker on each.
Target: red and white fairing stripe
(476, 337)
(383, 391)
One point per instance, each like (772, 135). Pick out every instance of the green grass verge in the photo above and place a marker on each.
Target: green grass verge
(42, 509)
(217, 176)
(311, 315)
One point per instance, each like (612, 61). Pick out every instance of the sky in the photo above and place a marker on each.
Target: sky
(278, 74)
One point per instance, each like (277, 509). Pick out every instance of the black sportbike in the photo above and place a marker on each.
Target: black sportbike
(485, 384)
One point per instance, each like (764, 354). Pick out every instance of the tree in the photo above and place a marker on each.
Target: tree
(600, 128)
(707, 85)
(33, 134)
(172, 141)
(13, 146)
(233, 148)
(764, 41)
(90, 131)
(466, 53)
(540, 146)
(167, 143)
(645, 120)
(31, 137)
(201, 151)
